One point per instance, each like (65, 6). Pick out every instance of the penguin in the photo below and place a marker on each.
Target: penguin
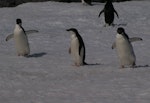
(125, 49)
(109, 13)
(21, 39)
(87, 2)
(77, 48)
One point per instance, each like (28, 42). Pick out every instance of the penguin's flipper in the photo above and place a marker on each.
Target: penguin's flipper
(9, 37)
(133, 39)
(114, 45)
(31, 31)
(101, 13)
(116, 13)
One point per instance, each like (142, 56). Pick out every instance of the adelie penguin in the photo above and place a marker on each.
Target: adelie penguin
(21, 39)
(124, 48)
(77, 48)
(109, 13)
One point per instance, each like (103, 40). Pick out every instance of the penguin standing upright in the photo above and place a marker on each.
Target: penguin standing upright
(21, 39)
(109, 12)
(124, 48)
(77, 48)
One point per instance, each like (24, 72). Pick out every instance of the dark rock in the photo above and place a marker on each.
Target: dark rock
(13, 3)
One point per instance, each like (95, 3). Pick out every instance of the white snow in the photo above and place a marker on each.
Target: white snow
(48, 76)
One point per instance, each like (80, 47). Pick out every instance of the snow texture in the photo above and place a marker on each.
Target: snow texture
(48, 74)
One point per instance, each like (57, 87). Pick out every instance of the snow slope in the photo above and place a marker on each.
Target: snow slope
(48, 76)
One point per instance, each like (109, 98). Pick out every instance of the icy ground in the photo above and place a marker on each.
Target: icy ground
(48, 76)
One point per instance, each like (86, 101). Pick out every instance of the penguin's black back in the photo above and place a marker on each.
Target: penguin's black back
(109, 12)
(81, 45)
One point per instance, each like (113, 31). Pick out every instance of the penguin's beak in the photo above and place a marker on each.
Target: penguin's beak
(67, 29)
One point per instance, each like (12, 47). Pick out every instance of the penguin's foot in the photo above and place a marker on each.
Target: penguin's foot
(112, 24)
(77, 64)
(133, 66)
(122, 66)
(20, 55)
(25, 55)
(107, 25)
(74, 64)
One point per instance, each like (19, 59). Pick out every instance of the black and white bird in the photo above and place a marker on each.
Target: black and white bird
(109, 13)
(77, 48)
(124, 48)
(21, 39)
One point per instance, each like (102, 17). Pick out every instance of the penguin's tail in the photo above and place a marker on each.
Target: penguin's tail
(84, 63)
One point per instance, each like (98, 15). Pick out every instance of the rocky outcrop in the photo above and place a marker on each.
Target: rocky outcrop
(13, 3)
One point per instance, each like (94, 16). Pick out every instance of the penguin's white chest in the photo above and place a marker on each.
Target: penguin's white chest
(75, 50)
(125, 50)
(74, 45)
(18, 33)
(21, 41)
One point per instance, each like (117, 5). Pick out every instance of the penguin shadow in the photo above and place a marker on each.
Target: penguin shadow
(93, 64)
(142, 66)
(36, 55)
(121, 24)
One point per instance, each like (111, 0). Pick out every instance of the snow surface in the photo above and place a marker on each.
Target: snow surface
(48, 76)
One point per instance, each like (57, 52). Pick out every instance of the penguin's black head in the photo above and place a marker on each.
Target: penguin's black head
(73, 30)
(120, 30)
(18, 21)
